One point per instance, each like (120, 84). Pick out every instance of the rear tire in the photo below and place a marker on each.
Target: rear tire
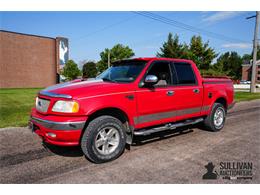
(104, 139)
(216, 119)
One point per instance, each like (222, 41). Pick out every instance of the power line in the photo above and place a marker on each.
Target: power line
(245, 14)
(187, 27)
(191, 28)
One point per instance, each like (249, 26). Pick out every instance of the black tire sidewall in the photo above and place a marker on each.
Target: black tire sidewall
(118, 149)
(89, 136)
(214, 109)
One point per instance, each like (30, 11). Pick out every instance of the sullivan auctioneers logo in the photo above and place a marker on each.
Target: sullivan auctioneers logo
(229, 170)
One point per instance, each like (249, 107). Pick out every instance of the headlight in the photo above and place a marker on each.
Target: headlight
(36, 100)
(66, 106)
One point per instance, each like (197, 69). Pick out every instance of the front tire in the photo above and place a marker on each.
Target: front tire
(104, 139)
(216, 119)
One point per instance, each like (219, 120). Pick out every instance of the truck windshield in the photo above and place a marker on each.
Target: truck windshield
(124, 71)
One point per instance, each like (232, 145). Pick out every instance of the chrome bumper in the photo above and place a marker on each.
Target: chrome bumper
(58, 125)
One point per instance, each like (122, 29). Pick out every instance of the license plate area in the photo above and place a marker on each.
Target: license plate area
(32, 126)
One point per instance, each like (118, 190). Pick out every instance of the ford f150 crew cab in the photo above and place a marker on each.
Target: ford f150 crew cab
(133, 97)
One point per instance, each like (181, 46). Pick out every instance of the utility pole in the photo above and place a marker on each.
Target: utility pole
(108, 58)
(255, 45)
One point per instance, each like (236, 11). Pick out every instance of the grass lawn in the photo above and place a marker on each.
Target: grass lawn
(16, 104)
(246, 96)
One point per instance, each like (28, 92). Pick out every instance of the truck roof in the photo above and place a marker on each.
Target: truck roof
(154, 58)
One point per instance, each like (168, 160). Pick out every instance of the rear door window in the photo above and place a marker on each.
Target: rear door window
(185, 74)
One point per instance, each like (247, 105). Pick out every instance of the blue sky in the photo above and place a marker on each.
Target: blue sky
(90, 33)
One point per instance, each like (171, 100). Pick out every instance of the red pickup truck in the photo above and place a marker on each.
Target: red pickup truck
(133, 97)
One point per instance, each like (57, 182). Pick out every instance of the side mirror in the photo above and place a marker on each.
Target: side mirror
(151, 80)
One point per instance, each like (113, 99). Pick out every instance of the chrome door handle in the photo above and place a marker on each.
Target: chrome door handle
(196, 90)
(170, 93)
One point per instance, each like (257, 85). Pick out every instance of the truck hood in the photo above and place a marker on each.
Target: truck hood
(77, 88)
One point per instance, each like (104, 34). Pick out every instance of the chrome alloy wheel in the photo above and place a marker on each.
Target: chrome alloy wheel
(219, 117)
(107, 140)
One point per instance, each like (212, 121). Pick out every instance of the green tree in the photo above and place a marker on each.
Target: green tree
(89, 70)
(71, 70)
(213, 72)
(197, 51)
(247, 57)
(230, 63)
(117, 52)
(201, 53)
(172, 48)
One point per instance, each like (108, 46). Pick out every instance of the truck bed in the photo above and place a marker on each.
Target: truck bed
(209, 79)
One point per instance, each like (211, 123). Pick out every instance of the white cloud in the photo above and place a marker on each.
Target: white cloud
(237, 45)
(218, 16)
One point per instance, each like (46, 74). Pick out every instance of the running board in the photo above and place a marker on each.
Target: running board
(168, 126)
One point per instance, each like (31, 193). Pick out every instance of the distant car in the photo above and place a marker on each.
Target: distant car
(245, 82)
(236, 81)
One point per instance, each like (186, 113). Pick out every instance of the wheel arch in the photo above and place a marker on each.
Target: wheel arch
(111, 111)
(222, 100)
(114, 112)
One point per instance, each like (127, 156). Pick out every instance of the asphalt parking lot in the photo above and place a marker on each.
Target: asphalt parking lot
(169, 157)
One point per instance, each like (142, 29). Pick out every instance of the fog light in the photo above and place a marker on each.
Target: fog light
(53, 135)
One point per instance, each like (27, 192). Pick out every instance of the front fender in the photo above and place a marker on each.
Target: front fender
(120, 101)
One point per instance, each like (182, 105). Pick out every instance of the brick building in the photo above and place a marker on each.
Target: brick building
(28, 61)
(246, 71)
